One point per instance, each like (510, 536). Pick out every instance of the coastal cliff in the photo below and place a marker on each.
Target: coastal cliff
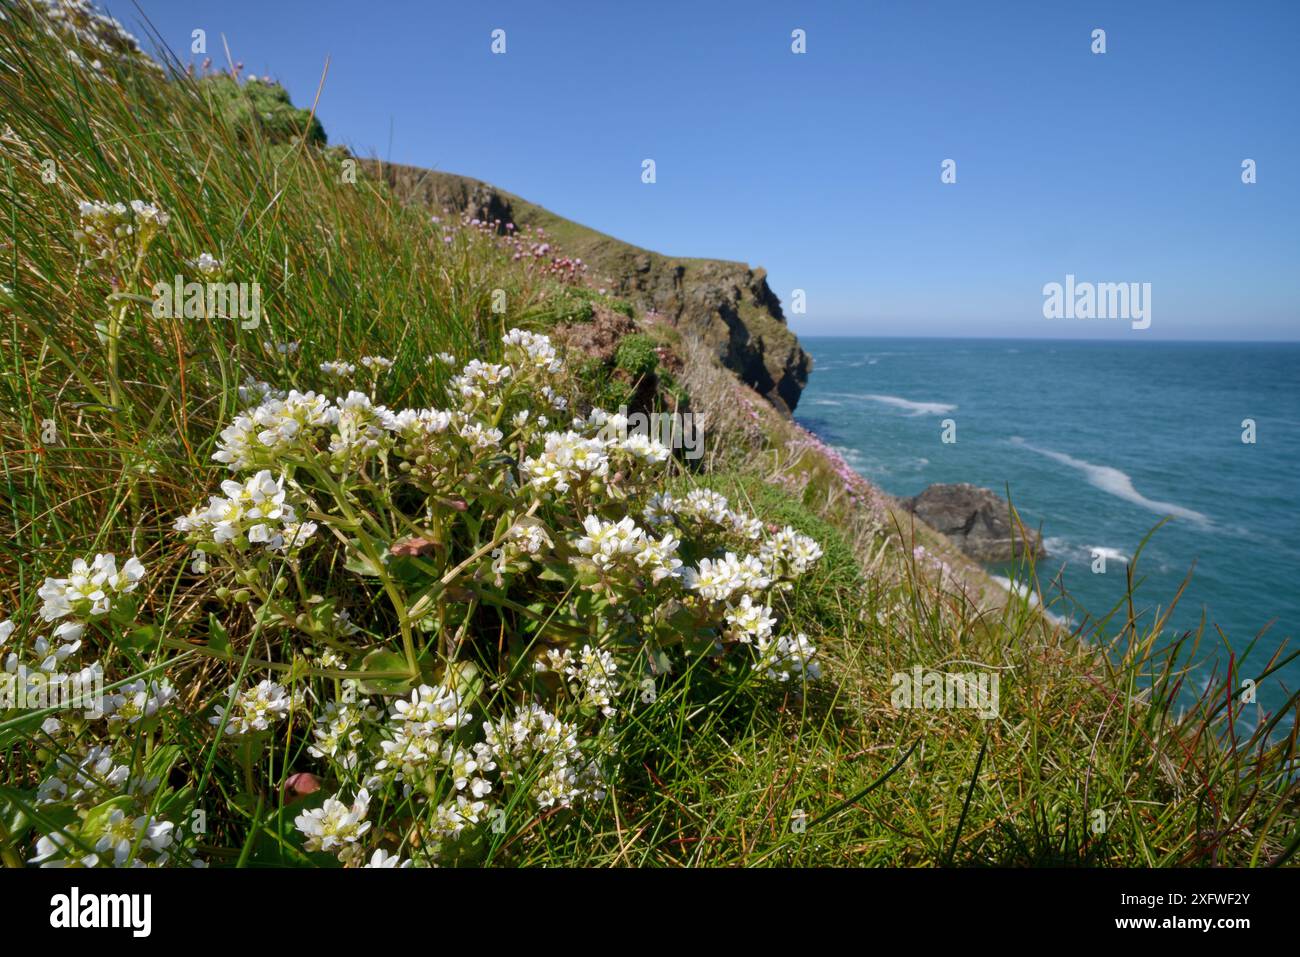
(728, 305)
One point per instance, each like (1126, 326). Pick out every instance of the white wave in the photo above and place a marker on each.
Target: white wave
(826, 402)
(1024, 591)
(1117, 483)
(1064, 548)
(1106, 552)
(912, 408)
(1058, 547)
(1020, 588)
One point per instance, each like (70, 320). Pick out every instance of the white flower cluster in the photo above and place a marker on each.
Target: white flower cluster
(790, 552)
(567, 458)
(82, 23)
(525, 348)
(784, 657)
(208, 265)
(91, 587)
(563, 504)
(592, 675)
(250, 513)
(141, 841)
(102, 226)
(138, 701)
(701, 508)
(718, 579)
(748, 620)
(339, 731)
(262, 435)
(338, 369)
(335, 827)
(255, 709)
(416, 734)
(608, 545)
(87, 770)
(536, 744)
(481, 381)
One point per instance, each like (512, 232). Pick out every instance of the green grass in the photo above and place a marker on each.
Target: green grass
(714, 767)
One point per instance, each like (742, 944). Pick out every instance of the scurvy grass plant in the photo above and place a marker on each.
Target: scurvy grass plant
(347, 604)
(437, 512)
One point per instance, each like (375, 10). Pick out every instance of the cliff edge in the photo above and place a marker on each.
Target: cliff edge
(728, 305)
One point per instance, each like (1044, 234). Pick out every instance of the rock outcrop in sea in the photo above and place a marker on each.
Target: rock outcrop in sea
(977, 520)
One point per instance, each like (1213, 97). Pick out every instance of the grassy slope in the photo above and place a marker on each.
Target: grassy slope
(712, 778)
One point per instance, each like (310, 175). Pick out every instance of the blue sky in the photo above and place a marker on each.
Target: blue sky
(825, 167)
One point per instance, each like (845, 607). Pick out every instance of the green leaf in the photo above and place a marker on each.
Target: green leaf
(359, 564)
(144, 638)
(389, 664)
(218, 637)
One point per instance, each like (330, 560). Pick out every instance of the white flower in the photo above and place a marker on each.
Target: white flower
(260, 436)
(88, 590)
(784, 657)
(660, 509)
(255, 709)
(207, 264)
(659, 557)
(715, 579)
(138, 701)
(383, 859)
(122, 835)
(338, 369)
(149, 214)
(789, 551)
(255, 510)
(363, 427)
(531, 349)
(748, 620)
(645, 448)
(377, 363)
(335, 826)
(338, 731)
(480, 439)
(567, 457)
(435, 708)
(479, 380)
(607, 542)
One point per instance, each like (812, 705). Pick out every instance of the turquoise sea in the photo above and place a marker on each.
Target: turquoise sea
(1097, 442)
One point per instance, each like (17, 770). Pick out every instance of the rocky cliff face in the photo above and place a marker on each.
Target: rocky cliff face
(727, 304)
(977, 520)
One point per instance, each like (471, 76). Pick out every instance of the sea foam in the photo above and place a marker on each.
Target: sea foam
(1117, 483)
(912, 408)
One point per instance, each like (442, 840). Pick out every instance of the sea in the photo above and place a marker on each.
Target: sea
(1096, 443)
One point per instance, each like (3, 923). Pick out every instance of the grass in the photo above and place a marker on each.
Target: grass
(713, 769)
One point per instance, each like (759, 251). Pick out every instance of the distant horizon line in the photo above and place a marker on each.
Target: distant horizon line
(1103, 339)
